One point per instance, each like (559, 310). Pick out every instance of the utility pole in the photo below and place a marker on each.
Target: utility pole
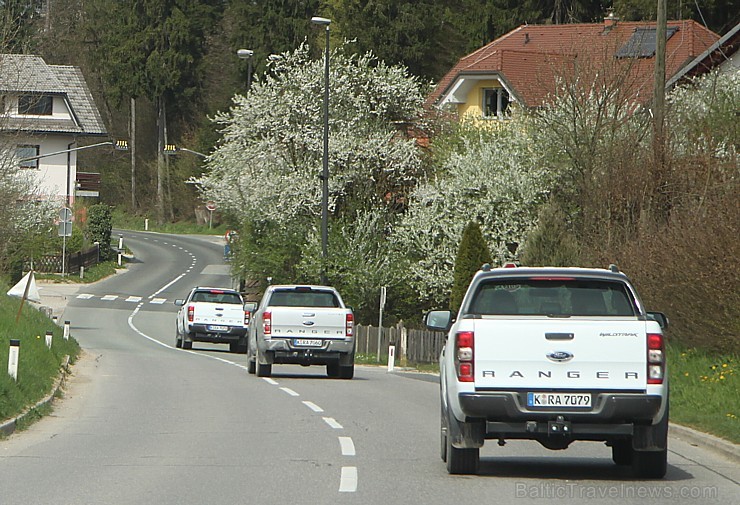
(659, 109)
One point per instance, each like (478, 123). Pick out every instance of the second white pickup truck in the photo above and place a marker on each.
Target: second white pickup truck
(217, 315)
(303, 325)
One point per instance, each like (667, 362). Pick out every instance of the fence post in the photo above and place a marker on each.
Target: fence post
(14, 351)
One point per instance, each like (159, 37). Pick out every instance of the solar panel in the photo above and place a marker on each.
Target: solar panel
(642, 43)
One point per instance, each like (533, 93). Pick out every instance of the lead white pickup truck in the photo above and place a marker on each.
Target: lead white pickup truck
(302, 325)
(553, 355)
(217, 315)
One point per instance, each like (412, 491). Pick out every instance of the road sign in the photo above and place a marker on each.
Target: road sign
(211, 206)
(65, 214)
(65, 228)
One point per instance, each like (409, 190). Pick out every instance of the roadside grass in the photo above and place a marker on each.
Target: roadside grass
(38, 366)
(124, 221)
(705, 391)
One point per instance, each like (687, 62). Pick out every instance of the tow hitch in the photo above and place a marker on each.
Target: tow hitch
(559, 426)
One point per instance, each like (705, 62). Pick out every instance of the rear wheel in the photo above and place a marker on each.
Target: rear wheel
(262, 370)
(346, 371)
(332, 370)
(178, 341)
(187, 345)
(443, 436)
(650, 464)
(462, 461)
(251, 361)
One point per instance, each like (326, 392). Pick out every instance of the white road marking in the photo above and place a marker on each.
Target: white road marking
(270, 381)
(168, 284)
(109, 298)
(347, 446)
(290, 391)
(158, 301)
(134, 299)
(333, 423)
(85, 296)
(313, 406)
(348, 481)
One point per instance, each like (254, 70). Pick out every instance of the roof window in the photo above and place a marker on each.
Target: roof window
(642, 43)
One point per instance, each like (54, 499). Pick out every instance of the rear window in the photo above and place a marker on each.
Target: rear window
(304, 298)
(552, 297)
(216, 296)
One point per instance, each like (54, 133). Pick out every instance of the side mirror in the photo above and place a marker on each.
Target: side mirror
(660, 318)
(250, 306)
(179, 302)
(439, 320)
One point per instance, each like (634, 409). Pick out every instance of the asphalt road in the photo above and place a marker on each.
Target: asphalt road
(143, 422)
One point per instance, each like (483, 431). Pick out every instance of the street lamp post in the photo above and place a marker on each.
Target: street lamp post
(325, 170)
(246, 54)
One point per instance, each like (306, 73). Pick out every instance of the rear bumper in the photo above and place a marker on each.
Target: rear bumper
(284, 351)
(608, 408)
(201, 333)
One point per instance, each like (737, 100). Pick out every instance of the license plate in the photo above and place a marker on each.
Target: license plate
(214, 327)
(559, 400)
(305, 342)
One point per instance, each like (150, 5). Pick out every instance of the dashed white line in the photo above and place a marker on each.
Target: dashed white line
(290, 391)
(270, 381)
(347, 446)
(313, 406)
(348, 481)
(333, 423)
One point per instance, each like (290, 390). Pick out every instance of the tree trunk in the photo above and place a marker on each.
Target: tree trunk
(160, 160)
(132, 146)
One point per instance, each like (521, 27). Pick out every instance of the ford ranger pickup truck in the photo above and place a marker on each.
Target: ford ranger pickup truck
(217, 315)
(553, 355)
(302, 325)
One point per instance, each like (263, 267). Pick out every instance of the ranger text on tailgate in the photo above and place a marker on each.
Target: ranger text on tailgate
(553, 355)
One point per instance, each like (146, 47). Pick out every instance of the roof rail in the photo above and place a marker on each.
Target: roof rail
(486, 267)
(614, 268)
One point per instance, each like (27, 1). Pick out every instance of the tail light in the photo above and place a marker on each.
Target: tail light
(464, 344)
(349, 325)
(655, 358)
(267, 323)
(191, 313)
(247, 315)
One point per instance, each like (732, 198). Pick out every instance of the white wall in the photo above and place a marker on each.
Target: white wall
(53, 171)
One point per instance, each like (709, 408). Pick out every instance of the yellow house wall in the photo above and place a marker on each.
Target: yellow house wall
(473, 106)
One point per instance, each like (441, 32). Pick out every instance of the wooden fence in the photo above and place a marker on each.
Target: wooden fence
(415, 346)
(52, 263)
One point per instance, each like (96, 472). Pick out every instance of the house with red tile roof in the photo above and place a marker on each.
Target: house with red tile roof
(523, 67)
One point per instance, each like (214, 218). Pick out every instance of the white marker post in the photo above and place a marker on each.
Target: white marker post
(146, 224)
(49, 336)
(15, 347)
(120, 242)
(119, 259)
(380, 318)
(55, 320)
(391, 357)
(66, 330)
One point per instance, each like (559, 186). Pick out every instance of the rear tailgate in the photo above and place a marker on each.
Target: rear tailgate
(218, 314)
(308, 322)
(560, 354)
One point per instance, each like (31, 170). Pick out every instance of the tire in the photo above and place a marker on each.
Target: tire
(650, 464)
(332, 370)
(346, 372)
(233, 347)
(178, 341)
(251, 363)
(262, 370)
(622, 452)
(187, 345)
(462, 461)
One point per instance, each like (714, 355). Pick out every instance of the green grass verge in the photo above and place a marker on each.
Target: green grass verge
(38, 366)
(705, 391)
(126, 221)
(92, 274)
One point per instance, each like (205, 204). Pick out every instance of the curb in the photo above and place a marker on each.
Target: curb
(720, 446)
(7, 428)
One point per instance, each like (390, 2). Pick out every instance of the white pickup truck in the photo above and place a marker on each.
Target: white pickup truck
(553, 355)
(217, 315)
(303, 325)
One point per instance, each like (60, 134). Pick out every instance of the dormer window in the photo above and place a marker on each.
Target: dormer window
(495, 102)
(35, 105)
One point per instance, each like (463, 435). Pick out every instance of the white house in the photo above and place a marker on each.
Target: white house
(45, 109)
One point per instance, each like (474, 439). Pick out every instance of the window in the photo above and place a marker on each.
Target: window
(35, 105)
(27, 151)
(495, 102)
(642, 43)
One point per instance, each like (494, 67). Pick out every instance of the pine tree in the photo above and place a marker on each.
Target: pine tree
(473, 253)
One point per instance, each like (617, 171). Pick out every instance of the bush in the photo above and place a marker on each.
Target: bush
(99, 226)
(473, 253)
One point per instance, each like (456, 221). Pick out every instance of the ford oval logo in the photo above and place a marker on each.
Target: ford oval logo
(560, 356)
(308, 323)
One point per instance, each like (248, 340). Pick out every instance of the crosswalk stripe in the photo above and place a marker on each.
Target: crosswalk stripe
(84, 296)
(109, 298)
(133, 299)
(158, 301)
